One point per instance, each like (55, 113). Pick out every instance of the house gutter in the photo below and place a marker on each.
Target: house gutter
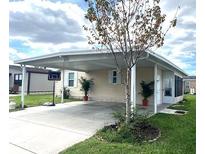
(146, 57)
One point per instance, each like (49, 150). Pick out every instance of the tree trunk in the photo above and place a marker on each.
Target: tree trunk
(86, 93)
(127, 90)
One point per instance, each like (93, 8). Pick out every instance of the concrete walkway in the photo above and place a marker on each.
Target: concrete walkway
(49, 130)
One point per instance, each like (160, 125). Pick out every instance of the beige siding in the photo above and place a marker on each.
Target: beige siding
(105, 91)
(146, 74)
(74, 91)
(40, 82)
(58, 85)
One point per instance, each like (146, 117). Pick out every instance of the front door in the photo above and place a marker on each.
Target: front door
(168, 86)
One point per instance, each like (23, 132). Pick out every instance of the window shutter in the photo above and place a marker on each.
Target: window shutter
(119, 77)
(110, 77)
(76, 79)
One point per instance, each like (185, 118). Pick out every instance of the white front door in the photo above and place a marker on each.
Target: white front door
(168, 86)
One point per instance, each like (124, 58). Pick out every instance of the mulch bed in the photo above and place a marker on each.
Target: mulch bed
(146, 133)
(142, 132)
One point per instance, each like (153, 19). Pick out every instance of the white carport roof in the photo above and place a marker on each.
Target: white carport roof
(88, 60)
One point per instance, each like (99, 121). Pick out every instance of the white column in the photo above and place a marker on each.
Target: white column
(62, 88)
(155, 88)
(62, 96)
(23, 85)
(133, 96)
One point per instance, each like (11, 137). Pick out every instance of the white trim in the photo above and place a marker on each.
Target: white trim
(73, 79)
(155, 88)
(167, 61)
(114, 77)
(110, 77)
(133, 96)
(61, 54)
(91, 52)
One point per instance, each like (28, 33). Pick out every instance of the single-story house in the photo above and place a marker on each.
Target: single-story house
(189, 84)
(108, 83)
(36, 80)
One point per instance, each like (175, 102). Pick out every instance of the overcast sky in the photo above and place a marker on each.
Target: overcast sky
(41, 27)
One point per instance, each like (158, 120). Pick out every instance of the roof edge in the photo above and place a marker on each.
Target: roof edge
(92, 51)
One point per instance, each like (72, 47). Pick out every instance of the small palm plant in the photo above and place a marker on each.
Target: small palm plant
(86, 86)
(147, 91)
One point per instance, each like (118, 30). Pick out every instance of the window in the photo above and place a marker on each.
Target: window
(17, 79)
(114, 77)
(178, 86)
(71, 79)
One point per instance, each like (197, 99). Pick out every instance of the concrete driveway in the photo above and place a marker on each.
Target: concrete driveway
(49, 130)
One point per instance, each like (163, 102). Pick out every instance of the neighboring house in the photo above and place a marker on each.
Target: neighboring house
(36, 80)
(108, 82)
(189, 84)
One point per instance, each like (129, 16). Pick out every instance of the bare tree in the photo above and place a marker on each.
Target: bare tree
(128, 27)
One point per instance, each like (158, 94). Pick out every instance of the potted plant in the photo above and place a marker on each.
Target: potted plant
(86, 86)
(147, 91)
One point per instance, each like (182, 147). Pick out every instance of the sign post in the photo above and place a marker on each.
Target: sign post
(53, 93)
(54, 76)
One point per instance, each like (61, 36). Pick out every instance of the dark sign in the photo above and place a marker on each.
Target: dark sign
(52, 75)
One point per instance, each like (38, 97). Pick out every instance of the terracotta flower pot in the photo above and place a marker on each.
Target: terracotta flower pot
(145, 102)
(85, 98)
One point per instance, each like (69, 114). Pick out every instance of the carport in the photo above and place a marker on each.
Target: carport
(85, 61)
(89, 60)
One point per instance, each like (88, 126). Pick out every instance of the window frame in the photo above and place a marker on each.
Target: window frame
(18, 79)
(178, 86)
(114, 76)
(71, 79)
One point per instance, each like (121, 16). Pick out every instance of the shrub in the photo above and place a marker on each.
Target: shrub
(139, 129)
(66, 93)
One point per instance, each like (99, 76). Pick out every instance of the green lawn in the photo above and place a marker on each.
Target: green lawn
(38, 99)
(178, 136)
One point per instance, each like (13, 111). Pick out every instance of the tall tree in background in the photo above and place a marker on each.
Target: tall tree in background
(128, 27)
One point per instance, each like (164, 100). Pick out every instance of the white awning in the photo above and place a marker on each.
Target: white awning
(88, 60)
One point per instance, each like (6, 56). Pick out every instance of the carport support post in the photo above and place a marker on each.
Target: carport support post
(62, 94)
(155, 88)
(23, 85)
(133, 97)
